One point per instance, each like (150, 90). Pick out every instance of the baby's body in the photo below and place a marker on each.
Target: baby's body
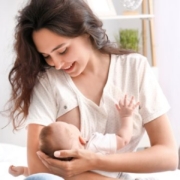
(60, 136)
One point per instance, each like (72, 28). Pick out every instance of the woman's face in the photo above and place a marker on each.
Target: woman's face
(68, 54)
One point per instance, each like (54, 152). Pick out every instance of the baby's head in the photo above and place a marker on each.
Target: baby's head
(60, 136)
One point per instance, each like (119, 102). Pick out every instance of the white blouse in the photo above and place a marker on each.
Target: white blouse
(55, 94)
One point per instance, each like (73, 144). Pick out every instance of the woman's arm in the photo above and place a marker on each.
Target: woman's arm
(34, 163)
(161, 156)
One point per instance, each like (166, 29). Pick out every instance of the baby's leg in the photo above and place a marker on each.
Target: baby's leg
(18, 170)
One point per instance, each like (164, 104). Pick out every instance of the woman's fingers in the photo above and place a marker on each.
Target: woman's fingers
(44, 158)
(66, 153)
(42, 155)
(55, 166)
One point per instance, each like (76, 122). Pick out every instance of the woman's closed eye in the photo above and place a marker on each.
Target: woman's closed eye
(46, 57)
(63, 52)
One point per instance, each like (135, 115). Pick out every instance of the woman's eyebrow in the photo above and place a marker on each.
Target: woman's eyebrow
(58, 46)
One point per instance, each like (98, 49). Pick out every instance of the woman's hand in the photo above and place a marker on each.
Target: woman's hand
(82, 161)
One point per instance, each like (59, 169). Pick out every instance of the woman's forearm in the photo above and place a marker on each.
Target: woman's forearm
(154, 159)
(161, 156)
(35, 165)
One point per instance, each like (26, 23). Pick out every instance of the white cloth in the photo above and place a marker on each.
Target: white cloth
(128, 74)
(103, 144)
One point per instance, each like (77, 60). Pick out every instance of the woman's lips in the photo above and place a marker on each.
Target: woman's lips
(69, 68)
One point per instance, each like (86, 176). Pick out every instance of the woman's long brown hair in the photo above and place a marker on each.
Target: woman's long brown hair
(70, 18)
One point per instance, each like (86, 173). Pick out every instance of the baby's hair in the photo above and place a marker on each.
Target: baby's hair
(45, 141)
(47, 145)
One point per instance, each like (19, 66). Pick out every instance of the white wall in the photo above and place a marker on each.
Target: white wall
(8, 10)
(167, 28)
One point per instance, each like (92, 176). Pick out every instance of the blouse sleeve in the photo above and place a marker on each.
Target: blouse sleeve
(153, 103)
(42, 108)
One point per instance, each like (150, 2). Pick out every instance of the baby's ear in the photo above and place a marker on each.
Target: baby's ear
(82, 140)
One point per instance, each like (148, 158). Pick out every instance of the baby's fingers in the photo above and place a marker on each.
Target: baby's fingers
(136, 105)
(131, 102)
(125, 100)
(118, 107)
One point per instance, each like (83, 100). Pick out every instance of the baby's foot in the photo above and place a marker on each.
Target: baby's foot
(16, 171)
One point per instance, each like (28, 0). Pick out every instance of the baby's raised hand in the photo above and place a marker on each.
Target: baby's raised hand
(127, 106)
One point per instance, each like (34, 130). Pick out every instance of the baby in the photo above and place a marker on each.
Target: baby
(60, 136)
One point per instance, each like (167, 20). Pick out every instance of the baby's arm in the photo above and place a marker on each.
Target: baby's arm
(18, 170)
(126, 108)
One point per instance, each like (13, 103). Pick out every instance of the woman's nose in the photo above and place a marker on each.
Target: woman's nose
(57, 63)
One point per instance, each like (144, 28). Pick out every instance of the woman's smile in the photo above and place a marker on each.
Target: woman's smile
(69, 68)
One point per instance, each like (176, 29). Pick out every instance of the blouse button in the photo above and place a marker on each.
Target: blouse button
(65, 107)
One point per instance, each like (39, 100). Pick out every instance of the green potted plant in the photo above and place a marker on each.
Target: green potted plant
(128, 39)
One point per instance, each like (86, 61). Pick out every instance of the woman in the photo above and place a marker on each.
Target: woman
(67, 70)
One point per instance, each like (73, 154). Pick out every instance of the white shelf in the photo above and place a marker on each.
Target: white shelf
(140, 16)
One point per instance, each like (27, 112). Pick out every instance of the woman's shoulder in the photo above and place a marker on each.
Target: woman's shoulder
(134, 60)
(49, 75)
(131, 57)
(49, 79)
(52, 72)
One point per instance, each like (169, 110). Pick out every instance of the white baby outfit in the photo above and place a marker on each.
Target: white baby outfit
(55, 94)
(103, 144)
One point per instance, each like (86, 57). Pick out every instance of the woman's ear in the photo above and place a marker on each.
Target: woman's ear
(82, 140)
